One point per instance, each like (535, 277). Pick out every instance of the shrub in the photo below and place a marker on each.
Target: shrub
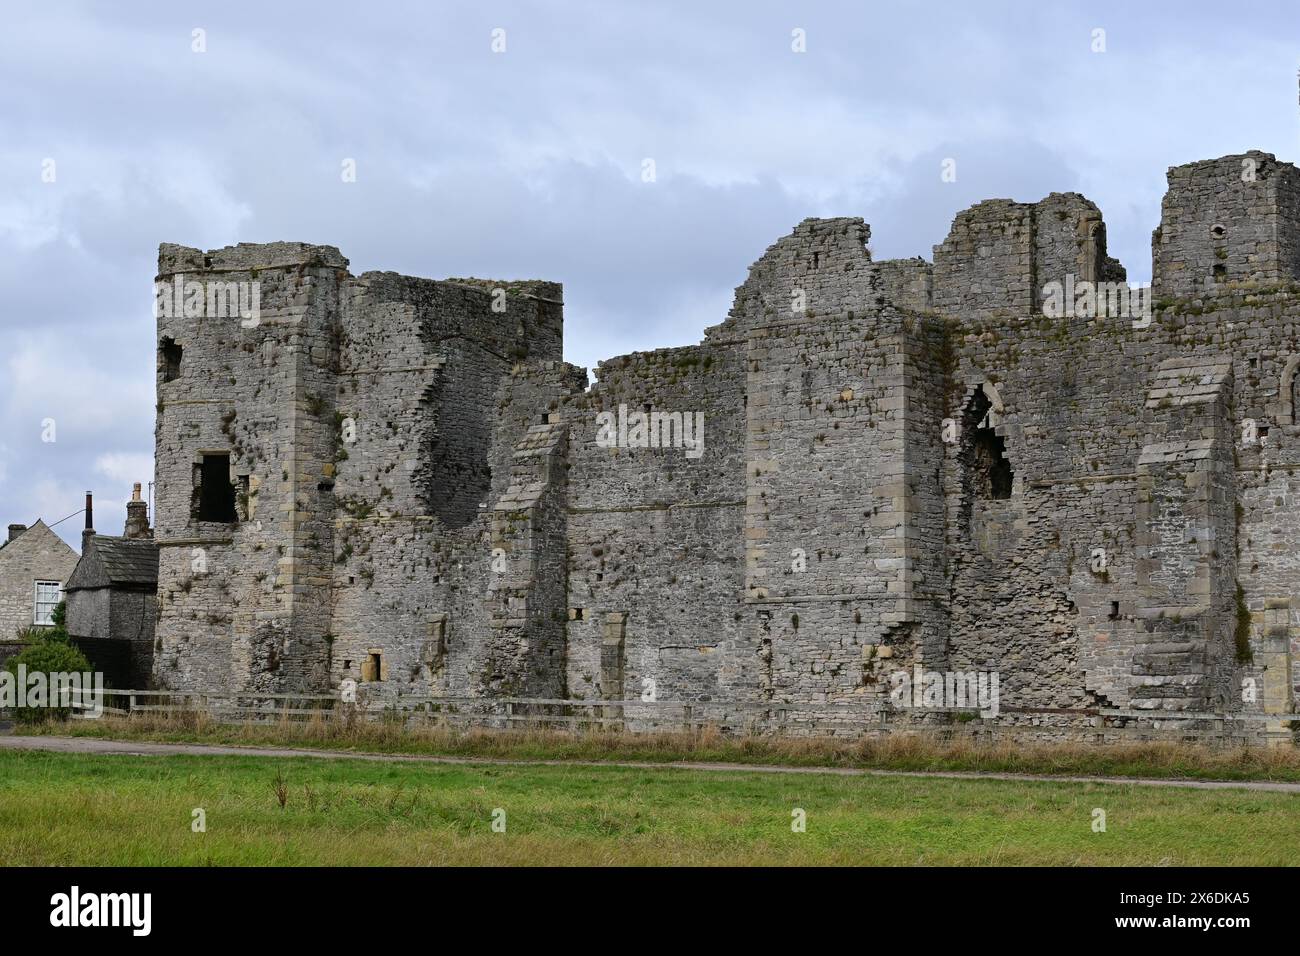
(49, 653)
(56, 632)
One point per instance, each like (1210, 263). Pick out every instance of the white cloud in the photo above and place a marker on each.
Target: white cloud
(125, 469)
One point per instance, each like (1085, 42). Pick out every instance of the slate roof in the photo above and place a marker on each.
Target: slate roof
(112, 562)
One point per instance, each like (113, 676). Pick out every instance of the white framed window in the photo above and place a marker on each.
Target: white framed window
(48, 595)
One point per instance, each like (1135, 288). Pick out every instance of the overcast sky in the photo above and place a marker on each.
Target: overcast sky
(528, 163)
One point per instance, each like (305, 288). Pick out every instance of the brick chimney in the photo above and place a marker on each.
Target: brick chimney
(89, 531)
(137, 516)
(15, 530)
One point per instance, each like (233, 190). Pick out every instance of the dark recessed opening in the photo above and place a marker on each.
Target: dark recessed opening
(1114, 610)
(1220, 272)
(216, 492)
(169, 357)
(990, 472)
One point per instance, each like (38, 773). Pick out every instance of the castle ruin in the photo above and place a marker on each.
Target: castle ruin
(867, 466)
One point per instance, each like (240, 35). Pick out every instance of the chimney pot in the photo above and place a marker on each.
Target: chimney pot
(89, 531)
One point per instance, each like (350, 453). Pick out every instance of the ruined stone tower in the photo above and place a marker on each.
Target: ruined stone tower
(866, 466)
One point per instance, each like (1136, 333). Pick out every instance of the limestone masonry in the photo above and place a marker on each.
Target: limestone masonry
(866, 466)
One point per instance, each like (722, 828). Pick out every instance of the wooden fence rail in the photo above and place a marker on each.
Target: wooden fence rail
(831, 717)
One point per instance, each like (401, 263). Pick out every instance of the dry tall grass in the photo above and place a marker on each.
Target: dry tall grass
(914, 751)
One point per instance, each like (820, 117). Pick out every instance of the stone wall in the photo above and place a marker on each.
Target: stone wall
(901, 464)
(1227, 220)
(36, 554)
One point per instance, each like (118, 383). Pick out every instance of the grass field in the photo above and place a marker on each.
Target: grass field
(125, 810)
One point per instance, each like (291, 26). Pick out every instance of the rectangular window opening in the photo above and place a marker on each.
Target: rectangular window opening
(169, 358)
(48, 596)
(216, 492)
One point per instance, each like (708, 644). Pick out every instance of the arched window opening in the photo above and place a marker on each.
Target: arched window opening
(1288, 392)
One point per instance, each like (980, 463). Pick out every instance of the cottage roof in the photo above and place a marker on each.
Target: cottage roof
(110, 562)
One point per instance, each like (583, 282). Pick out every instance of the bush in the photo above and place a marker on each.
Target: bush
(57, 632)
(49, 653)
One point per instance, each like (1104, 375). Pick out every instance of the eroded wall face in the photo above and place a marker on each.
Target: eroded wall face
(245, 603)
(1233, 219)
(882, 465)
(420, 367)
(1110, 577)
(655, 533)
(356, 415)
(827, 504)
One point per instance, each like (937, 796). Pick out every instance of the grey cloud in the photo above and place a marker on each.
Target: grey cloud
(527, 164)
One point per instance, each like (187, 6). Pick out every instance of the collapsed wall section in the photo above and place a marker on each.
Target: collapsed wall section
(655, 529)
(421, 362)
(1038, 471)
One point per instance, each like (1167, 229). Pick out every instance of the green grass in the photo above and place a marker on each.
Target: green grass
(897, 752)
(77, 809)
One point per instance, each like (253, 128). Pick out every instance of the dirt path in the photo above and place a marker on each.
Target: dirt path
(140, 748)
